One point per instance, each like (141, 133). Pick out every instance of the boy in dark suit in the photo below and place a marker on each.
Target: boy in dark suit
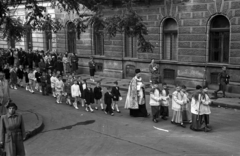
(88, 97)
(98, 95)
(116, 96)
(108, 101)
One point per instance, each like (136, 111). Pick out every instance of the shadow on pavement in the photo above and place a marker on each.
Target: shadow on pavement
(88, 122)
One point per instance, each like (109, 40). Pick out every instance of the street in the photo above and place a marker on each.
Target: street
(70, 132)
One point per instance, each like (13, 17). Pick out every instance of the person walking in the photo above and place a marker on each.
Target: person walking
(223, 80)
(195, 110)
(108, 101)
(132, 96)
(205, 108)
(12, 132)
(177, 102)
(4, 93)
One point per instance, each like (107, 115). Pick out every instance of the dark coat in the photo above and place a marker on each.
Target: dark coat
(116, 93)
(13, 76)
(49, 79)
(91, 64)
(49, 65)
(58, 66)
(97, 93)
(20, 73)
(7, 73)
(74, 62)
(38, 77)
(42, 66)
(81, 89)
(30, 56)
(26, 77)
(89, 96)
(44, 80)
(223, 78)
(36, 58)
(108, 98)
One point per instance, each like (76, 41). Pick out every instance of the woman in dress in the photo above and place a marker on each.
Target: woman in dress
(12, 132)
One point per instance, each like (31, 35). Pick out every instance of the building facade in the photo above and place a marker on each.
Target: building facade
(193, 39)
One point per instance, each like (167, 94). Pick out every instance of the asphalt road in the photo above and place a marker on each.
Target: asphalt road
(70, 132)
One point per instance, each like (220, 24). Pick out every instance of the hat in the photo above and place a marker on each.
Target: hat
(11, 104)
(115, 82)
(198, 87)
(137, 71)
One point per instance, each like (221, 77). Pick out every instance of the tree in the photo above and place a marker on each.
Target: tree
(129, 22)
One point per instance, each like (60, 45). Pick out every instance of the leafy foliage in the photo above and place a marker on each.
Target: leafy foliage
(13, 29)
(129, 22)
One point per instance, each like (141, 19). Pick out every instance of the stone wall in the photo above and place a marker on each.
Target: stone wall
(193, 18)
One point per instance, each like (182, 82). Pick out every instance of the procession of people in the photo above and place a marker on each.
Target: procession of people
(53, 74)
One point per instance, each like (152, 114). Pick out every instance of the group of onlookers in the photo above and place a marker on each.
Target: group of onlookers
(50, 60)
(54, 74)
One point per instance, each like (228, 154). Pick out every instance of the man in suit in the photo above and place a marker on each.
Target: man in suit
(223, 80)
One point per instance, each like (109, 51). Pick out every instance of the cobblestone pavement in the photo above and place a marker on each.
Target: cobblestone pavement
(70, 132)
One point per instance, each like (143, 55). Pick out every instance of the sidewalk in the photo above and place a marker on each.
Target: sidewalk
(33, 123)
(232, 100)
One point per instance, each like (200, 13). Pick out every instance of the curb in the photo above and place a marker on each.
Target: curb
(224, 105)
(214, 103)
(37, 129)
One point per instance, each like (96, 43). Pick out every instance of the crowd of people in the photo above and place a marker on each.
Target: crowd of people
(53, 74)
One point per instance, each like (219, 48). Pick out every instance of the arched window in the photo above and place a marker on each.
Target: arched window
(219, 40)
(169, 45)
(71, 35)
(98, 41)
(48, 38)
(130, 46)
(29, 41)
